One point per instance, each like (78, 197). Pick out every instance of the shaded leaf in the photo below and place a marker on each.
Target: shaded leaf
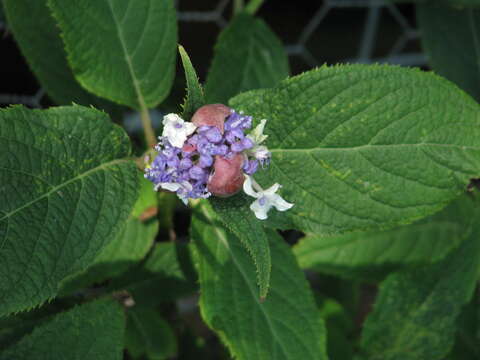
(66, 193)
(39, 40)
(90, 331)
(166, 275)
(371, 253)
(121, 50)
(451, 39)
(248, 55)
(416, 310)
(149, 334)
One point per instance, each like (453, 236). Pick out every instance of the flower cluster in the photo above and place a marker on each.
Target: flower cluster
(204, 157)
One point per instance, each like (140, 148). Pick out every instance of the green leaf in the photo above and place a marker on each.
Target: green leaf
(361, 147)
(130, 245)
(369, 253)
(15, 326)
(467, 344)
(248, 55)
(287, 325)
(39, 40)
(194, 98)
(451, 39)
(123, 50)
(149, 334)
(65, 194)
(91, 331)
(416, 310)
(166, 275)
(239, 219)
(339, 326)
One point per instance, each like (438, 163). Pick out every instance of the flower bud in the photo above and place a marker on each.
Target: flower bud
(211, 115)
(228, 177)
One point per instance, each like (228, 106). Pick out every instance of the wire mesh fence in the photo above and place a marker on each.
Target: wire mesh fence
(302, 47)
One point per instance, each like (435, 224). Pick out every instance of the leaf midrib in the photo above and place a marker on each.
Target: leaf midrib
(64, 184)
(128, 59)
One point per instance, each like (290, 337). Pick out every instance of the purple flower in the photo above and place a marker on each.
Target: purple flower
(186, 169)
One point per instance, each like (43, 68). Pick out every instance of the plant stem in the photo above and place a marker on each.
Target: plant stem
(147, 126)
(253, 6)
(237, 6)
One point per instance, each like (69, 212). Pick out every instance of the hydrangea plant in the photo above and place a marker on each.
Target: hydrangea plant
(193, 240)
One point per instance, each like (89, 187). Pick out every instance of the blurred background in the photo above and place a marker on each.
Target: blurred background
(313, 33)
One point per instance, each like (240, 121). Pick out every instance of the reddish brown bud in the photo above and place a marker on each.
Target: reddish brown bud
(211, 115)
(228, 177)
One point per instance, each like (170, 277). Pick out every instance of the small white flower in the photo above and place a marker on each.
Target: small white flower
(265, 198)
(176, 130)
(259, 152)
(168, 186)
(257, 134)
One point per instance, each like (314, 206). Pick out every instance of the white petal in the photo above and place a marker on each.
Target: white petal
(189, 128)
(172, 119)
(248, 189)
(176, 135)
(170, 186)
(257, 134)
(279, 203)
(184, 199)
(259, 210)
(272, 189)
(187, 186)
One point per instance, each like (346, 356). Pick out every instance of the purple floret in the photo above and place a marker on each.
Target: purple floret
(190, 167)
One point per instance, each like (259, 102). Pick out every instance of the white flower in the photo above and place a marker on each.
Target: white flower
(259, 152)
(176, 130)
(257, 134)
(168, 186)
(265, 198)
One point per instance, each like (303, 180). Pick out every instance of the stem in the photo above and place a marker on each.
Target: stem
(237, 6)
(253, 6)
(147, 126)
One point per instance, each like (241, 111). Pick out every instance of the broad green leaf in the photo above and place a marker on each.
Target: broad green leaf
(166, 275)
(91, 331)
(368, 253)
(123, 50)
(66, 191)
(361, 147)
(149, 334)
(194, 98)
(416, 310)
(287, 325)
(39, 40)
(239, 219)
(451, 39)
(248, 55)
(130, 245)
